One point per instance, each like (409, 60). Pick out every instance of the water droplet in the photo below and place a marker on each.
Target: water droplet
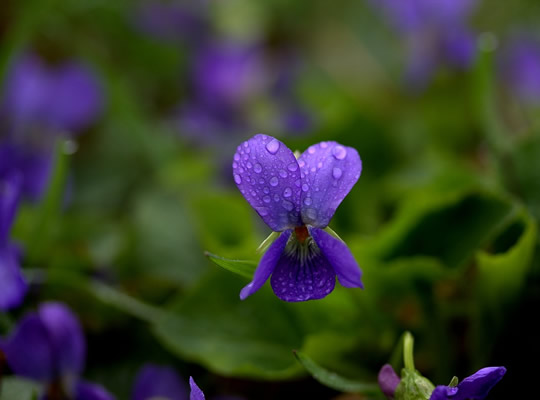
(276, 197)
(248, 150)
(257, 168)
(301, 163)
(237, 179)
(298, 183)
(324, 145)
(245, 157)
(337, 172)
(287, 205)
(305, 187)
(236, 157)
(249, 165)
(241, 170)
(311, 214)
(253, 193)
(246, 144)
(287, 192)
(308, 201)
(274, 181)
(263, 211)
(283, 173)
(273, 146)
(234, 165)
(267, 199)
(266, 190)
(319, 165)
(313, 169)
(311, 150)
(261, 181)
(339, 152)
(292, 166)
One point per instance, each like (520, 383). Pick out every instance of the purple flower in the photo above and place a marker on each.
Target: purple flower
(519, 68)
(474, 387)
(435, 33)
(13, 286)
(154, 381)
(196, 392)
(298, 198)
(48, 346)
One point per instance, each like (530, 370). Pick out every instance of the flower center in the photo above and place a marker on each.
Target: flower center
(301, 233)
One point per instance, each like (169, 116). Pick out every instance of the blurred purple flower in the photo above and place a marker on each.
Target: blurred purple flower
(48, 346)
(519, 68)
(435, 34)
(13, 286)
(154, 381)
(298, 198)
(474, 387)
(196, 392)
(172, 21)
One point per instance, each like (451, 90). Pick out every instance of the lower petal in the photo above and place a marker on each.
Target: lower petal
(13, 286)
(340, 257)
(266, 265)
(91, 391)
(303, 276)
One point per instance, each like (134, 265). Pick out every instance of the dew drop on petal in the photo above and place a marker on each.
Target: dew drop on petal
(319, 165)
(274, 181)
(266, 190)
(313, 169)
(337, 172)
(283, 173)
(237, 179)
(273, 146)
(311, 150)
(305, 187)
(236, 157)
(267, 199)
(246, 144)
(287, 205)
(249, 165)
(234, 165)
(307, 201)
(263, 211)
(287, 192)
(324, 145)
(257, 168)
(241, 170)
(339, 152)
(261, 181)
(276, 197)
(292, 166)
(298, 183)
(301, 163)
(311, 213)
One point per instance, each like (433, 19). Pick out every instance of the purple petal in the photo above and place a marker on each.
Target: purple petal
(266, 265)
(10, 186)
(65, 336)
(91, 391)
(302, 275)
(76, 98)
(13, 286)
(459, 47)
(388, 380)
(340, 258)
(157, 381)
(329, 170)
(28, 350)
(267, 174)
(478, 385)
(196, 392)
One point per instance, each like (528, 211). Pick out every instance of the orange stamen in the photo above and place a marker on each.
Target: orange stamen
(302, 233)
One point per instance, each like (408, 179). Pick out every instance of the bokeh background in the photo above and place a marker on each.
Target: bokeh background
(123, 117)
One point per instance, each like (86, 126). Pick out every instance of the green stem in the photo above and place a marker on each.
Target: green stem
(408, 350)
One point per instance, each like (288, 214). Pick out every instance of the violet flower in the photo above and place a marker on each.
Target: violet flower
(298, 198)
(435, 34)
(13, 286)
(196, 392)
(154, 381)
(474, 387)
(48, 346)
(519, 68)
(38, 104)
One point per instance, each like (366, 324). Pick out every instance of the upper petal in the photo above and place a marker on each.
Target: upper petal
(329, 171)
(158, 381)
(340, 257)
(478, 385)
(266, 265)
(267, 174)
(196, 392)
(91, 391)
(28, 351)
(65, 337)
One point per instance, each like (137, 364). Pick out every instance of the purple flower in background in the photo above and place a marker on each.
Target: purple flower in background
(474, 387)
(48, 346)
(39, 103)
(519, 68)
(435, 33)
(196, 392)
(298, 198)
(154, 381)
(13, 286)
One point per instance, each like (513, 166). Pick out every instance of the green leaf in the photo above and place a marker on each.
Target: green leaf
(243, 268)
(334, 380)
(18, 388)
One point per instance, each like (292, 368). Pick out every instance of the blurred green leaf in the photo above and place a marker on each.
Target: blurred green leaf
(18, 388)
(241, 267)
(336, 381)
